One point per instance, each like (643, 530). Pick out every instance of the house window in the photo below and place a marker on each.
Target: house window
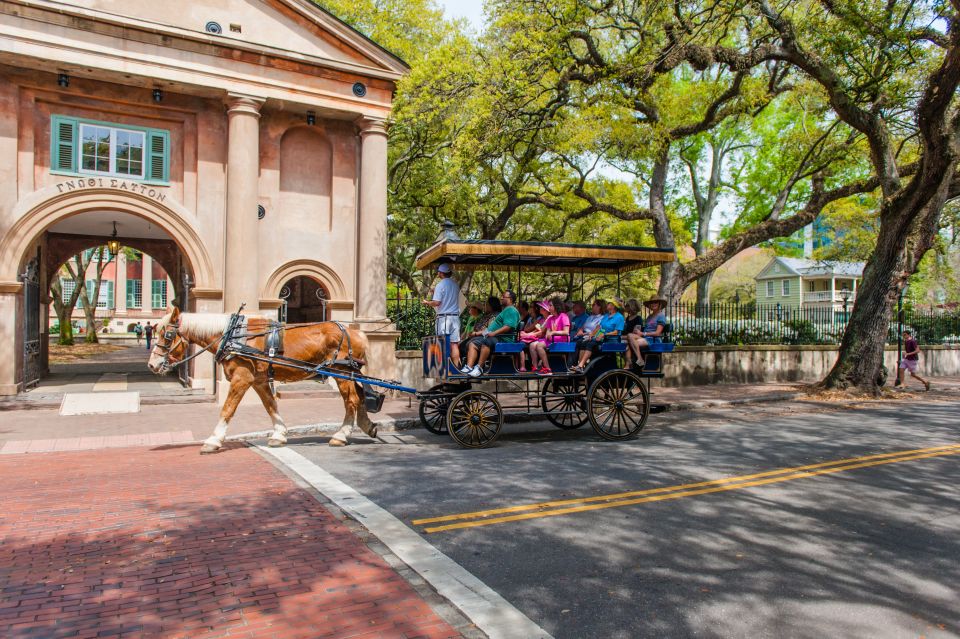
(134, 293)
(111, 151)
(769, 288)
(159, 293)
(86, 147)
(811, 286)
(67, 287)
(786, 288)
(105, 296)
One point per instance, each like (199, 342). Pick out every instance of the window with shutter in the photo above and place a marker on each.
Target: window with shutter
(101, 148)
(63, 144)
(158, 156)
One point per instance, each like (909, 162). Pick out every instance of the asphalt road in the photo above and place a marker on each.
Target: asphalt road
(869, 548)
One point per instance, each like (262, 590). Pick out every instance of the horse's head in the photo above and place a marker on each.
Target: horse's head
(170, 347)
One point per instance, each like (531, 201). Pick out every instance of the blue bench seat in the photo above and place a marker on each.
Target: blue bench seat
(662, 347)
(613, 347)
(563, 347)
(510, 348)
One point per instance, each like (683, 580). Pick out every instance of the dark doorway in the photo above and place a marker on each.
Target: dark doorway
(304, 300)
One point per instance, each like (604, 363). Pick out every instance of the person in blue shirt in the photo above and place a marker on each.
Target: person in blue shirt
(610, 327)
(578, 317)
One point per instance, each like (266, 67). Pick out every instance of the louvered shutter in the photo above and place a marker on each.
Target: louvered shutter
(63, 144)
(158, 156)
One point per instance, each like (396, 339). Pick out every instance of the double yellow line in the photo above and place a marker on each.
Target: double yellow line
(617, 500)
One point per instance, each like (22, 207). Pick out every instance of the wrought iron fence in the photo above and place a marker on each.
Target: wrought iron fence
(726, 324)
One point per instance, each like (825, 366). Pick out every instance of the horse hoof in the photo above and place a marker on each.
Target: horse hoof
(275, 443)
(207, 449)
(337, 442)
(373, 432)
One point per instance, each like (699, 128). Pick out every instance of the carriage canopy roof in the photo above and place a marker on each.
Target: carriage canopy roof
(545, 257)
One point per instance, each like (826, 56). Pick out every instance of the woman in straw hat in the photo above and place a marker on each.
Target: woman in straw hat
(651, 331)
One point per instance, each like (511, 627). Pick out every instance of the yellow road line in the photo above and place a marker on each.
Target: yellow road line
(688, 490)
(650, 491)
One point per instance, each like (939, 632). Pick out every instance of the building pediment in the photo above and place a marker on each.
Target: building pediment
(294, 29)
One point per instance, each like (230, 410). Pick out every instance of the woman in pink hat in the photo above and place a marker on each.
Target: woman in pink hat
(555, 328)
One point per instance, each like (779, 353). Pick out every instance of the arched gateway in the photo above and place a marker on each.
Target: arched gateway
(24, 278)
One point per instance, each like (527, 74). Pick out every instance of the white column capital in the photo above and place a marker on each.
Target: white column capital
(238, 103)
(368, 125)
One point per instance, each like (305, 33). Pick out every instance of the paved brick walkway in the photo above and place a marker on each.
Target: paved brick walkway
(162, 542)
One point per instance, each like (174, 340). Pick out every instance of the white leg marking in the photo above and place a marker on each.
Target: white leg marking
(219, 434)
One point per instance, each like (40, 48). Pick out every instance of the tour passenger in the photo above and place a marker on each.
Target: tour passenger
(474, 311)
(578, 317)
(502, 329)
(490, 310)
(610, 326)
(592, 321)
(446, 303)
(633, 320)
(531, 333)
(651, 331)
(556, 328)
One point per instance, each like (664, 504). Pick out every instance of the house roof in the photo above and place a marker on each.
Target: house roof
(811, 268)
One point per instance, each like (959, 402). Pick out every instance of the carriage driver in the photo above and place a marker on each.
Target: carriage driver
(446, 302)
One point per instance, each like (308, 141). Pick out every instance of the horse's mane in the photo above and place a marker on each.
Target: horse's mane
(200, 325)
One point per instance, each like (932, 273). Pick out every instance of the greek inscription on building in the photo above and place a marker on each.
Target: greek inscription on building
(152, 192)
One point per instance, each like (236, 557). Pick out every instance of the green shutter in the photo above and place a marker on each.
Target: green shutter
(63, 144)
(110, 296)
(131, 294)
(158, 156)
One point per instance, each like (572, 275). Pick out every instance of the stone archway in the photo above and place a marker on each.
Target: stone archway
(35, 214)
(42, 209)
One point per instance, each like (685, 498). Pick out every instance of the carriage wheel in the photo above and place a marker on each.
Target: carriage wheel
(433, 411)
(563, 403)
(474, 419)
(618, 405)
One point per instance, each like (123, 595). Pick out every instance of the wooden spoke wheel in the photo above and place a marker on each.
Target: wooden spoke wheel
(618, 405)
(433, 410)
(474, 419)
(563, 402)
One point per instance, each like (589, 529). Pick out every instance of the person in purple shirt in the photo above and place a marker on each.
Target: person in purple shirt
(911, 357)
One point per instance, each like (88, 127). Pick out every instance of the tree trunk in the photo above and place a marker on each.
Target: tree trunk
(66, 327)
(860, 359)
(662, 233)
(703, 290)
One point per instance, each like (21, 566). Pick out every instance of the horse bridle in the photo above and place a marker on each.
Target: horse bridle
(170, 332)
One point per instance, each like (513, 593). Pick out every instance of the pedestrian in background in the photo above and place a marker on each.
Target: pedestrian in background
(138, 331)
(148, 331)
(911, 357)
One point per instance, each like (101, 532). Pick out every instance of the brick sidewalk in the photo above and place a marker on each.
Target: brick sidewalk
(165, 543)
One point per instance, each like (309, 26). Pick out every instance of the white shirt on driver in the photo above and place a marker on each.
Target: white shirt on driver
(448, 294)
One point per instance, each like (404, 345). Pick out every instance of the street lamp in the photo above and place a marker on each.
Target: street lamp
(113, 244)
(845, 296)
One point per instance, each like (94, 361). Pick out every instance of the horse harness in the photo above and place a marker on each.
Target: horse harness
(233, 343)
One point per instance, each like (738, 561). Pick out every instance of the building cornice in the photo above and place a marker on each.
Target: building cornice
(68, 16)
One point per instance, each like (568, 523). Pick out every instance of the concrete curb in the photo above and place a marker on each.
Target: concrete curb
(398, 424)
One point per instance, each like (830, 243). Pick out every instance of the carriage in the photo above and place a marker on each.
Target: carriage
(614, 400)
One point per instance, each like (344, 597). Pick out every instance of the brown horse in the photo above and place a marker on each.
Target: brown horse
(314, 343)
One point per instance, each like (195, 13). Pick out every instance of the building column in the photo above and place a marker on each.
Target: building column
(146, 278)
(371, 293)
(11, 307)
(120, 285)
(241, 275)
